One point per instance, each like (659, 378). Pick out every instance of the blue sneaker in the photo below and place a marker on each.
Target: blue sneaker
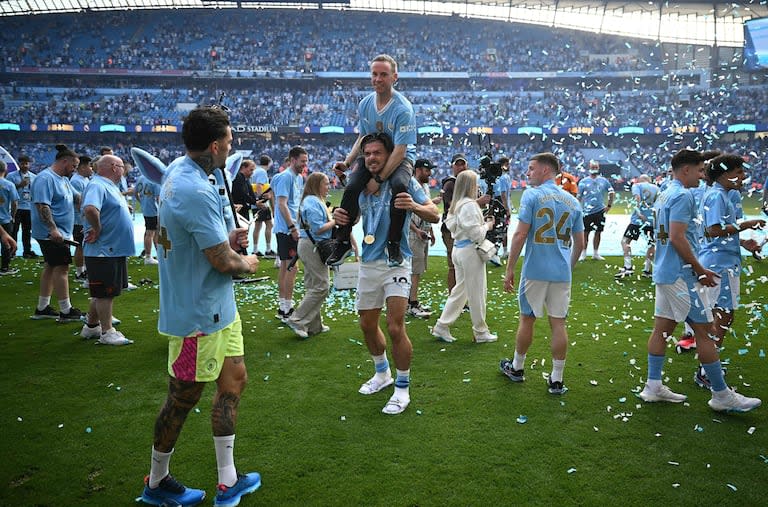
(230, 496)
(170, 493)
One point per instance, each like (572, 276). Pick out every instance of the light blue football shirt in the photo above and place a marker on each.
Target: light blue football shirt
(592, 192)
(675, 204)
(289, 185)
(148, 193)
(502, 184)
(79, 183)
(724, 252)
(55, 191)
(373, 207)
(553, 215)
(396, 119)
(8, 195)
(647, 192)
(25, 194)
(116, 237)
(314, 215)
(194, 297)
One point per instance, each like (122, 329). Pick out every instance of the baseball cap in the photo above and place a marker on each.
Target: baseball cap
(459, 156)
(423, 162)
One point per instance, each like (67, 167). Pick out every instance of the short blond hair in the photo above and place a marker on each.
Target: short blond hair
(386, 58)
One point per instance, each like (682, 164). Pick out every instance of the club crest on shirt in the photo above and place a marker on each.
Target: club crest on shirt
(380, 126)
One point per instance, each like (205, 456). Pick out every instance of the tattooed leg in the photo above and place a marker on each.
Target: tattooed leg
(229, 387)
(182, 397)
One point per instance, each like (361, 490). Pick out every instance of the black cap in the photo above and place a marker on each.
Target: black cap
(423, 162)
(459, 156)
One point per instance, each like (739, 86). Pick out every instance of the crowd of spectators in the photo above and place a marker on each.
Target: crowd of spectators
(650, 156)
(337, 105)
(309, 40)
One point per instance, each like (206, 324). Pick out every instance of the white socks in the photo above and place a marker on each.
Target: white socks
(159, 467)
(225, 459)
(43, 302)
(558, 365)
(519, 361)
(64, 305)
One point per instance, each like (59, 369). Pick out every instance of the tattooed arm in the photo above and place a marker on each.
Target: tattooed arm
(46, 217)
(226, 260)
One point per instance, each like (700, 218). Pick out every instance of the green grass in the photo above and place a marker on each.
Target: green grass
(316, 441)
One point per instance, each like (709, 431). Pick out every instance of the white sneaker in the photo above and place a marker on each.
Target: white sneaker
(495, 260)
(114, 337)
(396, 405)
(442, 333)
(131, 286)
(324, 329)
(89, 333)
(663, 393)
(149, 261)
(486, 337)
(731, 401)
(375, 384)
(301, 333)
(598, 257)
(418, 311)
(583, 255)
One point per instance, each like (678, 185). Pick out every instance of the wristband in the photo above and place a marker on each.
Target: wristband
(291, 227)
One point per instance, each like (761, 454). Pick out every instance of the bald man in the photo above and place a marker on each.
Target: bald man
(108, 232)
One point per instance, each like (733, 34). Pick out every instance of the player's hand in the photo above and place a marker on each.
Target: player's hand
(339, 168)
(751, 245)
(403, 200)
(253, 263)
(238, 239)
(56, 236)
(490, 222)
(91, 236)
(9, 243)
(341, 216)
(483, 200)
(295, 234)
(707, 278)
(753, 224)
(509, 282)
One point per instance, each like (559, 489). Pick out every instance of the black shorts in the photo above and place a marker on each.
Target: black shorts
(77, 233)
(633, 232)
(55, 254)
(286, 246)
(262, 214)
(594, 222)
(150, 223)
(107, 276)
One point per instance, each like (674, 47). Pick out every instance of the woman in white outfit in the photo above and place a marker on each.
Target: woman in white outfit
(314, 216)
(468, 227)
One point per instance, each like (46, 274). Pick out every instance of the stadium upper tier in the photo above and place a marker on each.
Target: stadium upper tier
(309, 41)
(337, 106)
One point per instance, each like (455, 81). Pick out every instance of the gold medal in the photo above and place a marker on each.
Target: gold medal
(369, 239)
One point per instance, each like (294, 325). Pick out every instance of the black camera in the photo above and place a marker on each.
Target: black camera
(489, 170)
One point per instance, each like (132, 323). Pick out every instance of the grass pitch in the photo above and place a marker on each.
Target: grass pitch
(78, 417)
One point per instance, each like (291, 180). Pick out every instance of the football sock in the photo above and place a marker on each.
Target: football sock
(403, 379)
(381, 364)
(688, 329)
(284, 305)
(43, 302)
(519, 361)
(158, 470)
(225, 459)
(64, 305)
(715, 376)
(648, 264)
(558, 365)
(79, 270)
(655, 363)
(628, 261)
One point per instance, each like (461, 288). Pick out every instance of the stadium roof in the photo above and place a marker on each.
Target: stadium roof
(686, 21)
